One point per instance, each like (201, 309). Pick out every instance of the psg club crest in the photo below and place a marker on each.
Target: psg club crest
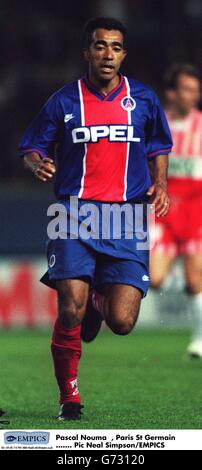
(128, 103)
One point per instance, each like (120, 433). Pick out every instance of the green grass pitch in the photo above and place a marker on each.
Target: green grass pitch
(140, 381)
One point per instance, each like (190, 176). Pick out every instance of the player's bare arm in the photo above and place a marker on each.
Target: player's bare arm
(158, 191)
(43, 169)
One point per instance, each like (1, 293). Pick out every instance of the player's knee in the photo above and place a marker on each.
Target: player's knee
(156, 282)
(193, 284)
(71, 313)
(121, 325)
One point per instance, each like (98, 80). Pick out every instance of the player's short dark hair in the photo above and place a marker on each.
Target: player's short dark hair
(105, 23)
(175, 70)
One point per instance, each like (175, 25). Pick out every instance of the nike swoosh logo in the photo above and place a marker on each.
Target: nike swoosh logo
(68, 117)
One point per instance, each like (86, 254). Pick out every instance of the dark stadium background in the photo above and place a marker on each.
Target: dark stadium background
(41, 44)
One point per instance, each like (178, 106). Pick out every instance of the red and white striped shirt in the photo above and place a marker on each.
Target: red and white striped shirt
(185, 166)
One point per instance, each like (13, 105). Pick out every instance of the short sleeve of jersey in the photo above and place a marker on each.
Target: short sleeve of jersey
(158, 137)
(43, 132)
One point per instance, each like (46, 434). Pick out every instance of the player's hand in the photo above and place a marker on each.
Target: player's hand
(159, 198)
(45, 169)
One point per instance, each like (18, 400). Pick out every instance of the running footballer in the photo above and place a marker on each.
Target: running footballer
(97, 134)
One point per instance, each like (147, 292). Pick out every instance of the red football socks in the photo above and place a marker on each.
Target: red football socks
(66, 352)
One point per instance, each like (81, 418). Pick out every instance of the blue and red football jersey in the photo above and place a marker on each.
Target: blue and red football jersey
(101, 142)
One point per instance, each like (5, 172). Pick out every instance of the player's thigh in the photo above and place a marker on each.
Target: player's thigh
(160, 266)
(124, 282)
(72, 299)
(193, 272)
(122, 299)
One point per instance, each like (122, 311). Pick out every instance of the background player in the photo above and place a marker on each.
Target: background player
(180, 232)
(105, 124)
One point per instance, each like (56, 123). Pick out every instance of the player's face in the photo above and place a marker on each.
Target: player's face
(105, 54)
(186, 96)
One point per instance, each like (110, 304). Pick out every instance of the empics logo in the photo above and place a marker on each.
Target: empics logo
(11, 438)
(26, 438)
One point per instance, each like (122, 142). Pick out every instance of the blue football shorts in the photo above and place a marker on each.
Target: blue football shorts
(111, 259)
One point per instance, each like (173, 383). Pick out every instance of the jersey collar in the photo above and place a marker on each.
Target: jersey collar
(111, 95)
